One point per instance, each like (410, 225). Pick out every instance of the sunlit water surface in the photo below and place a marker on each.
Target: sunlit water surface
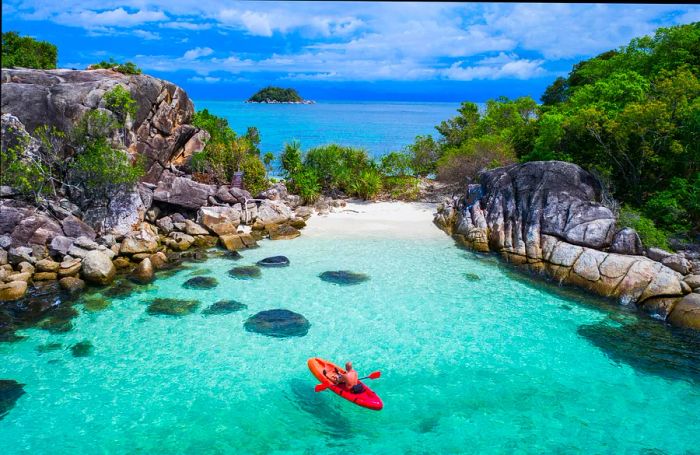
(496, 365)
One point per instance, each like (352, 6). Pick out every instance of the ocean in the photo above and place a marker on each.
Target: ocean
(378, 127)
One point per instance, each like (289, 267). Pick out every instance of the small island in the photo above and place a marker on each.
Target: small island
(278, 95)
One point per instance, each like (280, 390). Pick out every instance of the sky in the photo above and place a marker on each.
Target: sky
(225, 50)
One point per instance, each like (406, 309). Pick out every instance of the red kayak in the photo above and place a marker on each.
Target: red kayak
(367, 398)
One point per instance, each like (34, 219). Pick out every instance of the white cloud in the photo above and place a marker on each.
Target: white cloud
(198, 52)
(364, 40)
(118, 17)
(500, 67)
(206, 79)
(145, 34)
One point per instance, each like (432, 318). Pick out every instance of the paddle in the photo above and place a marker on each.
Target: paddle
(321, 387)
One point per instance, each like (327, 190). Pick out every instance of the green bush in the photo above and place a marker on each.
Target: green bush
(650, 235)
(305, 183)
(18, 171)
(336, 165)
(402, 187)
(462, 164)
(226, 153)
(124, 68)
(396, 164)
(367, 184)
(100, 167)
(119, 101)
(291, 159)
(424, 153)
(26, 52)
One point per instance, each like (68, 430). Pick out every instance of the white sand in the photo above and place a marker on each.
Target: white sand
(376, 220)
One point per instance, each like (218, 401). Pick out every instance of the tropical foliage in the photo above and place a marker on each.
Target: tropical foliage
(111, 64)
(226, 153)
(26, 52)
(282, 95)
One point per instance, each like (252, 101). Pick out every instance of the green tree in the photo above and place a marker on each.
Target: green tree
(26, 52)
(111, 64)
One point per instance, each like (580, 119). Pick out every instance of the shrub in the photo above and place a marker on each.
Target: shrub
(254, 174)
(26, 52)
(103, 170)
(305, 184)
(20, 171)
(291, 159)
(124, 68)
(463, 164)
(396, 164)
(402, 187)
(424, 154)
(336, 165)
(367, 184)
(650, 235)
(119, 101)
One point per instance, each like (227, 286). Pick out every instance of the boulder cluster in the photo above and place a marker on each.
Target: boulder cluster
(547, 217)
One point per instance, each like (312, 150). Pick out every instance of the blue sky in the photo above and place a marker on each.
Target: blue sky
(341, 50)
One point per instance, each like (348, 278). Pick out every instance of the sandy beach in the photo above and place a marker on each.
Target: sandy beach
(376, 219)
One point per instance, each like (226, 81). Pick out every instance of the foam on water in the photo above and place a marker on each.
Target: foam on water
(492, 365)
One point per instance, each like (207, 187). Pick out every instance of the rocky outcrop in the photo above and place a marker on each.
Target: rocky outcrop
(548, 217)
(161, 130)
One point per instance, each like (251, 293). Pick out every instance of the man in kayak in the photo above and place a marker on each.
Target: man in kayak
(349, 379)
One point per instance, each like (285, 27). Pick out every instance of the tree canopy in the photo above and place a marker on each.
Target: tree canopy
(279, 94)
(26, 52)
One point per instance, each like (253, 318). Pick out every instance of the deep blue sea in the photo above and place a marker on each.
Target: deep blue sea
(379, 127)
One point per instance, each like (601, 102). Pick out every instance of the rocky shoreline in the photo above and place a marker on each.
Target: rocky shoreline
(54, 248)
(547, 218)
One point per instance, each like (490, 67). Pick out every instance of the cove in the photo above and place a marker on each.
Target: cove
(499, 364)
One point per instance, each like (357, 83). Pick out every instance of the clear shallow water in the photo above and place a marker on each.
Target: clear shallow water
(491, 366)
(380, 127)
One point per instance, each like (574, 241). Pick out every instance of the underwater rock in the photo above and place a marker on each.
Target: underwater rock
(274, 261)
(224, 307)
(120, 290)
(172, 307)
(648, 347)
(143, 273)
(278, 323)
(10, 391)
(95, 303)
(72, 284)
(235, 255)
(199, 272)
(472, 276)
(59, 319)
(81, 349)
(344, 277)
(245, 272)
(201, 282)
(48, 347)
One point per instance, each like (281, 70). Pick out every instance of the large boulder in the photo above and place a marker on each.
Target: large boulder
(686, 313)
(182, 191)
(145, 240)
(273, 212)
(627, 241)
(98, 268)
(26, 225)
(160, 129)
(220, 220)
(75, 227)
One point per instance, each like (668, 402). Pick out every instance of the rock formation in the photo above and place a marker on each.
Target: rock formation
(548, 217)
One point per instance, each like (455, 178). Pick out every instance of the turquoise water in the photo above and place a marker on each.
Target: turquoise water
(380, 127)
(497, 365)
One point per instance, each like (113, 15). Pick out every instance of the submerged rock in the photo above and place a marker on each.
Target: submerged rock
(224, 307)
(172, 307)
(648, 347)
(344, 277)
(120, 290)
(48, 347)
(199, 272)
(235, 255)
(278, 323)
(274, 261)
(472, 276)
(201, 282)
(81, 349)
(95, 303)
(245, 272)
(10, 391)
(59, 319)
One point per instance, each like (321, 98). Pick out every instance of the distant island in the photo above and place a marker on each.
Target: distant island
(278, 95)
